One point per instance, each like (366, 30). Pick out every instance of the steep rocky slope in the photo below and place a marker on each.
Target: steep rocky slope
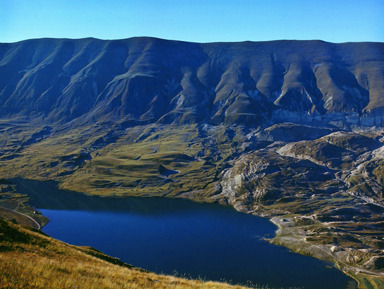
(147, 80)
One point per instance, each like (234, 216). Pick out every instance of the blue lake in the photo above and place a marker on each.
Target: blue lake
(177, 236)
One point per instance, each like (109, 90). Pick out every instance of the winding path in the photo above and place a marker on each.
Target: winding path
(29, 217)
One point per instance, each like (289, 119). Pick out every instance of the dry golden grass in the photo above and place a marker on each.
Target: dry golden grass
(28, 270)
(29, 259)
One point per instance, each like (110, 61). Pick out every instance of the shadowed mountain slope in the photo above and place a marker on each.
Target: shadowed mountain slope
(147, 80)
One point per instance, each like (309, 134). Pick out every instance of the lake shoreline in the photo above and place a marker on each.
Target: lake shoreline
(278, 238)
(289, 236)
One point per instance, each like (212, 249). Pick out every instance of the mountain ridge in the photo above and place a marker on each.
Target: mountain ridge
(184, 41)
(60, 80)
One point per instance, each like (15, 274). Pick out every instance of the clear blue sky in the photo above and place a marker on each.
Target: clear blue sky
(194, 20)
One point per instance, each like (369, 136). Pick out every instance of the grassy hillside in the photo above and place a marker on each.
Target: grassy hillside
(30, 259)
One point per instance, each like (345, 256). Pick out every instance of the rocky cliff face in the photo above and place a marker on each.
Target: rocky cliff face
(148, 80)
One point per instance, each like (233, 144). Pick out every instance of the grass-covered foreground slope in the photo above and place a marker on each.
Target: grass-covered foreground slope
(30, 259)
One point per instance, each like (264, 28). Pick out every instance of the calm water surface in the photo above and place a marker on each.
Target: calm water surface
(168, 236)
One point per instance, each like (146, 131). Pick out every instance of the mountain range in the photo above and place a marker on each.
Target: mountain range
(147, 80)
